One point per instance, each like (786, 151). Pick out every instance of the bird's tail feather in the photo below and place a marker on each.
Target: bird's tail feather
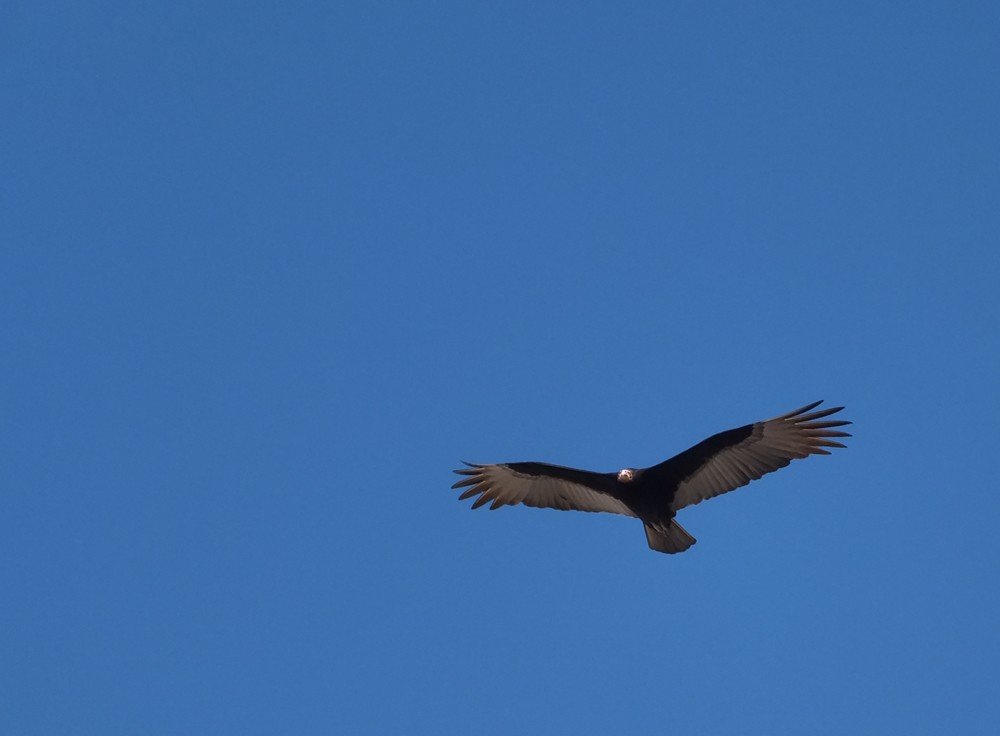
(674, 539)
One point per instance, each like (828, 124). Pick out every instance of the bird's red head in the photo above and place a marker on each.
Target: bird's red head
(627, 475)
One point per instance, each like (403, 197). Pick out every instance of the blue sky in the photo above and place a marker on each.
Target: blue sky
(271, 270)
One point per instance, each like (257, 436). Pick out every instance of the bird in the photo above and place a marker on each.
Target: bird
(719, 464)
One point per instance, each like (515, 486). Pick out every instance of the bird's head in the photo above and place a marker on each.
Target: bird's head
(626, 475)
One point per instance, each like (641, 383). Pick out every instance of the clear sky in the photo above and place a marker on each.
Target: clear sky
(269, 271)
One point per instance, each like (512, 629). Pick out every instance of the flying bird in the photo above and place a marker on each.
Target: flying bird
(722, 463)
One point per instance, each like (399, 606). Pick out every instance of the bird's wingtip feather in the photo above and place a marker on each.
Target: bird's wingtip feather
(802, 410)
(470, 493)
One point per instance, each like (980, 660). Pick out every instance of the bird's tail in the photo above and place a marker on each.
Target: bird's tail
(674, 539)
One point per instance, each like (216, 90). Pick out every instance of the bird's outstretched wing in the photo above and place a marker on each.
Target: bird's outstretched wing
(541, 485)
(732, 459)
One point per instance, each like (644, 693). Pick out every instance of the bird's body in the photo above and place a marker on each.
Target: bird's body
(719, 464)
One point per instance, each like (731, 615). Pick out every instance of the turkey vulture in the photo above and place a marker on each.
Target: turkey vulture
(720, 464)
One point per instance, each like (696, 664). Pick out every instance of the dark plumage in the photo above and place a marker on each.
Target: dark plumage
(717, 465)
